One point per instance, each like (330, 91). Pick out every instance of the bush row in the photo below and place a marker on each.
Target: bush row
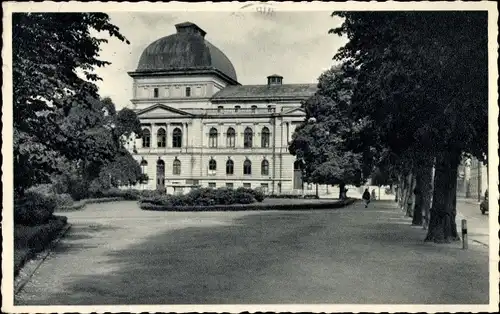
(29, 240)
(207, 197)
(292, 196)
(249, 207)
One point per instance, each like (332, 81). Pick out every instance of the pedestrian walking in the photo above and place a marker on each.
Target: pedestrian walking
(366, 198)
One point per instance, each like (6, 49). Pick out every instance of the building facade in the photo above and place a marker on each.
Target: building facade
(201, 127)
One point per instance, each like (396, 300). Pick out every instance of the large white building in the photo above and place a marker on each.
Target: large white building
(203, 128)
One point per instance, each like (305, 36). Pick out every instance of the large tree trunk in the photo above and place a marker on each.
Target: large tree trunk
(423, 191)
(403, 192)
(342, 191)
(411, 198)
(408, 193)
(442, 226)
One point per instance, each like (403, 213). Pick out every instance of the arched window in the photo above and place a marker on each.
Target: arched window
(231, 137)
(212, 166)
(176, 167)
(229, 167)
(177, 138)
(162, 138)
(270, 108)
(237, 108)
(265, 137)
(160, 174)
(247, 167)
(264, 168)
(212, 138)
(254, 108)
(248, 138)
(146, 138)
(144, 165)
(220, 108)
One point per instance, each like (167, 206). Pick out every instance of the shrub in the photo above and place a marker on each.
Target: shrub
(63, 200)
(244, 198)
(224, 196)
(34, 209)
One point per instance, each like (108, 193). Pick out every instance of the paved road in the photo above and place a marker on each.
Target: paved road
(118, 254)
(477, 223)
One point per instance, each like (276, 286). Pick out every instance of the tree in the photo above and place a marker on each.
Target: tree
(320, 141)
(54, 55)
(423, 83)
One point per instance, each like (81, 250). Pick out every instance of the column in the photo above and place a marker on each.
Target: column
(154, 129)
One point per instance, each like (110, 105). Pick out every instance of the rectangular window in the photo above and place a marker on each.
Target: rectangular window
(247, 185)
(229, 185)
(155, 92)
(264, 187)
(212, 185)
(188, 91)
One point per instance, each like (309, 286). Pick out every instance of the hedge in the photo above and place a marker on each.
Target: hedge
(203, 197)
(29, 240)
(247, 207)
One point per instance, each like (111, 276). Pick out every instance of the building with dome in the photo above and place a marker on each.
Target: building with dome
(201, 127)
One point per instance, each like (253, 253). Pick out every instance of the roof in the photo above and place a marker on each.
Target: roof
(267, 92)
(186, 50)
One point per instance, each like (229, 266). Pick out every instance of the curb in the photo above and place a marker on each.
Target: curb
(481, 243)
(30, 267)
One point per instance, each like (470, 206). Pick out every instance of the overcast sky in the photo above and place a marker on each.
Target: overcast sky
(295, 45)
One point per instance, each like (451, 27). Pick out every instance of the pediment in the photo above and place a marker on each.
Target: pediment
(157, 111)
(294, 112)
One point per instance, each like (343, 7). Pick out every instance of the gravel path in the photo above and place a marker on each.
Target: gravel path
(117, 254)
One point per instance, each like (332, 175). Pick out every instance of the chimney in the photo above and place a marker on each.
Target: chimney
(274, 79)
(190, 28)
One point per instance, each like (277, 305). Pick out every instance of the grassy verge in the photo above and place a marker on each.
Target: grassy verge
(29, 240)
(247, 207)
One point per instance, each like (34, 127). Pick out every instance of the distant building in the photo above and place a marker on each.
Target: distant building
(201, 127)
(472, 178)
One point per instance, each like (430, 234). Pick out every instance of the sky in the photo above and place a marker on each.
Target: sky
(295, 45)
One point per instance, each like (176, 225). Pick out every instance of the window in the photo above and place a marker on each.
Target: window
(220, 108)
(162, 138)
(212, 185)
(269, 108)
(264, 168)
(177, 138)
(264, 187)
(176, 167)
(188, 91)
(265, 137)
(155, 93)
(144, 166)
(231, 137)
(247, 167)
(247, 185)
(254, 108)
(212, 138)
(178, 190)
(212, 165)
(146, 138)
(229, 185)
(248, 137)
(237, 108)
(229, 167)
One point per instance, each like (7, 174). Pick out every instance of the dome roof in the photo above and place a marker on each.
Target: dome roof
(186, 50)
